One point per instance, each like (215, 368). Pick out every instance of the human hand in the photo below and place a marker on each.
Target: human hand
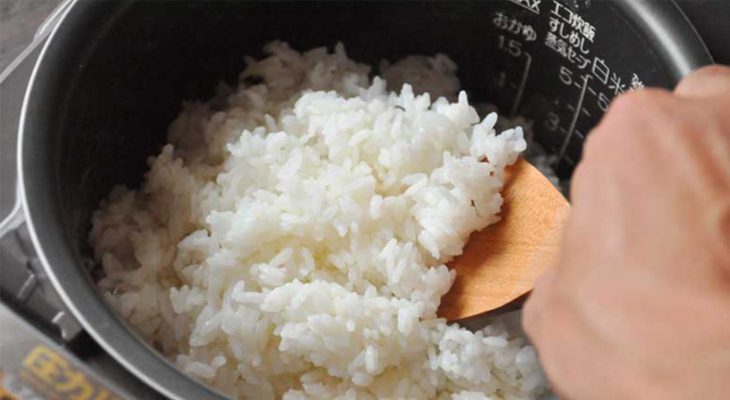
(638, 306)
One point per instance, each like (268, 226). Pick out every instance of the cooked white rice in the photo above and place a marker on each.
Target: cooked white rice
(291, 243)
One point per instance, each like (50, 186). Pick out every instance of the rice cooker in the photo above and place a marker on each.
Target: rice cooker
(112, 76)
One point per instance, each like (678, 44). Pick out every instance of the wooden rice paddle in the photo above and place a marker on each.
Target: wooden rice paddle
(500, 263)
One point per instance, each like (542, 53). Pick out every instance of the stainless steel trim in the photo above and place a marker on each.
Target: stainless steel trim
(138, 357)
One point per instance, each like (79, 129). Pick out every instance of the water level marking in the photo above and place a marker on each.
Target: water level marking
(574, 120)
(521, 88)
(31, 282)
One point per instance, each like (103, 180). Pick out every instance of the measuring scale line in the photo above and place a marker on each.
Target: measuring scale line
(574, 120)
(521, 88)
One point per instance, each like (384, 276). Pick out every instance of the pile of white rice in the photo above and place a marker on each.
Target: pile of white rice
(290, 240)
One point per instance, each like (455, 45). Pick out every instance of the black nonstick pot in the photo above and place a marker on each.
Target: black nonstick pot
(113, 75)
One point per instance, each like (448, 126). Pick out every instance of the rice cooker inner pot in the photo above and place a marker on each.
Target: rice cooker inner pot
(114, 74)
